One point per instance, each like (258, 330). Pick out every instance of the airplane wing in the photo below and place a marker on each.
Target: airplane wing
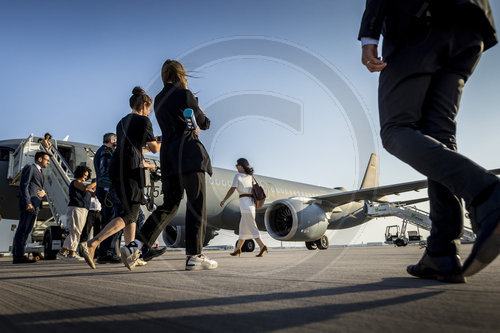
(375, 193)
(371, 194)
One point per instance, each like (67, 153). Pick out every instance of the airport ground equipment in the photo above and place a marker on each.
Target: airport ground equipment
(411, 215)
(46, 238)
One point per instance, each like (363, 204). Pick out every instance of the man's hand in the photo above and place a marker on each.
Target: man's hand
(40, 193)
(370, 58)
(197, 130)
(30, 208)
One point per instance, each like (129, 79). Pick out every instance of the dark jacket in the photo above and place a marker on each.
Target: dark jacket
(102, 161)
(31, 183)
(394, 18)
(181, 150)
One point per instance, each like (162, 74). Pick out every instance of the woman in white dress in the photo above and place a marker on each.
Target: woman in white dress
(248, 228)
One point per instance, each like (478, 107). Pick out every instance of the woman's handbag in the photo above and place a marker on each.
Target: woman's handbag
(258, 194)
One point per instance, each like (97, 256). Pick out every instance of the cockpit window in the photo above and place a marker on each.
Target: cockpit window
(4, 153)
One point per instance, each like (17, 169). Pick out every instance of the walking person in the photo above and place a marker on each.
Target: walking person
(46, 140)
(107, 197)
(78, 209)
(430, 50)
(94, 218)
(134, 132)
(242, 183)
(184, 162)
(31, 193)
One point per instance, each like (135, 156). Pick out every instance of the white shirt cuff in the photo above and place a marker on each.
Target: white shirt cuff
(368, 40)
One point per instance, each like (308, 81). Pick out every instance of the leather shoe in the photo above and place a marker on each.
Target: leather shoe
(150, 253)
(22, 260)
(441, 268)
(485, 218)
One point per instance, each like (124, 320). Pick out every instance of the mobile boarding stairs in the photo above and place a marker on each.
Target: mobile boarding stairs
(411, 215)
(46, 238)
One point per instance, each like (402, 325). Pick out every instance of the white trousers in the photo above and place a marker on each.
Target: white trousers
(76, 221)
(248, 226)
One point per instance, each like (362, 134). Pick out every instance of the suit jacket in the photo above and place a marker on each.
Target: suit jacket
(181, 150)
(394, 18)
(31, 182)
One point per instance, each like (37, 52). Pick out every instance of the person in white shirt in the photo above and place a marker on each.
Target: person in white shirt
(248, 228)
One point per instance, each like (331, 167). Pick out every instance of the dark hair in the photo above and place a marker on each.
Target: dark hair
(45, 135)
(245, 165)
(80, 171)
(41, 154)
(107, 137)
(173, 71)
(138, 98)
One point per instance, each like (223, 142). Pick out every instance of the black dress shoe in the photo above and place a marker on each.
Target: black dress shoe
(22, 260)
(109, 259)
(150, 253)
(441, 268)
(485, 218)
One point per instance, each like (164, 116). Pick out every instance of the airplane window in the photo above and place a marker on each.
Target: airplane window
(211, 181)
(272, 189)
(223, 183)
(286, 191)
(217, 182)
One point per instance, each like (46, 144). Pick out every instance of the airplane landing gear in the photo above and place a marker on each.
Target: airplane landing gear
(311, 245)
(323, 243)
(248, 246)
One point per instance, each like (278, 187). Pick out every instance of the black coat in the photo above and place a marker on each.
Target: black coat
(393, 18)
(181, 150)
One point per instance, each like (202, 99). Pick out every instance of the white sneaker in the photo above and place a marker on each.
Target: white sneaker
(140, 262)
(198, 262)
(130, 253)
(61, 255)
(74, 257)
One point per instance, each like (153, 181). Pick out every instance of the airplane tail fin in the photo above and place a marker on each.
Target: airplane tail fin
(371, 174)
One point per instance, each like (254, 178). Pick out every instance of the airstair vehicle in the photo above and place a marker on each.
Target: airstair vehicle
(46, 238)
(411, 215)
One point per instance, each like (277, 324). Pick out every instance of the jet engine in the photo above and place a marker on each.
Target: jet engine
(175, 236)
(295, 219)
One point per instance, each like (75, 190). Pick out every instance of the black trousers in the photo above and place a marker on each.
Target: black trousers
(196, 219)
(24, 228)
(419, 97)
(94, 220)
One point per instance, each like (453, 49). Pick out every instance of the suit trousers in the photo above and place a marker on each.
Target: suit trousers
(419, 97)
(26, 223)
(196, 219)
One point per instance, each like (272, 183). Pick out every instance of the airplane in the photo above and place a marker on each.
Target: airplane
(293, 211)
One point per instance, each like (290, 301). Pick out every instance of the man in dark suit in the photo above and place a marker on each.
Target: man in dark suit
(431, 48)
(31, 195)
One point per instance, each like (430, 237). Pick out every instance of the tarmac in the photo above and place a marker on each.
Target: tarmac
(342, 289)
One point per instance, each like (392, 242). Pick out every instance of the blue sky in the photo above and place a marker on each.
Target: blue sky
(69, 68)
